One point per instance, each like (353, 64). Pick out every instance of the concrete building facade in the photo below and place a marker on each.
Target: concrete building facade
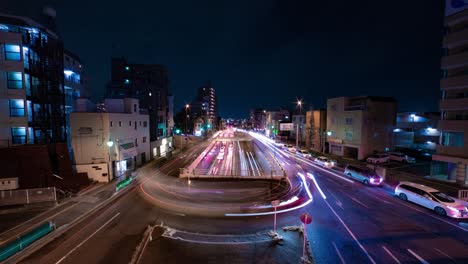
(109, 145)
(315, 130)
(451, 161)
(360, 126)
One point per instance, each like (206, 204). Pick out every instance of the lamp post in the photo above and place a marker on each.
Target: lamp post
(186, 117)
(299, 104)
(110, 143)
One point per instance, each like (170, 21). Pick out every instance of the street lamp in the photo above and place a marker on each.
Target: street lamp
(186, 117)
(110, 143)
(299, 104)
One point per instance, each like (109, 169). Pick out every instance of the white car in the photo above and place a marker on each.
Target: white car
(324, 162)
(378, 158)
(433, 199)
(304, 153)
(291, 148)
(397, 156)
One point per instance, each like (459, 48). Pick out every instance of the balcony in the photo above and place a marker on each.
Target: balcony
(456, 38)
(452, 151)
(453, 125)
(453, 104)
(454, 61)
(458, 82)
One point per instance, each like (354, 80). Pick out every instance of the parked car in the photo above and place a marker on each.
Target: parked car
(378, 158)
(304, 153)
(291, 148)
(364, 175)
(324, 162)
(431, 198)
(398, 156)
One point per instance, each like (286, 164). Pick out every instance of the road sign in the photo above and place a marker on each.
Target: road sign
(306, 218)
(286, 127)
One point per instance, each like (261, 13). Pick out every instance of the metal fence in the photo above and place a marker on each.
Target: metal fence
(27, 196)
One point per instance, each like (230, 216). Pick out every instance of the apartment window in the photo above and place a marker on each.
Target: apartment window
(144, 139)
(12, 52)
(18, 135)
(129, 123)
(120, 123)
(333, 120)
(16, 107)
(452, 139)
(349, 135)
(134, 107)
(136, 142)
(135, 123)
(14, 80)
(349, 120)
(145, 124)
(111, 123)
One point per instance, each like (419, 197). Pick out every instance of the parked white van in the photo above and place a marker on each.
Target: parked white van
(431, 198)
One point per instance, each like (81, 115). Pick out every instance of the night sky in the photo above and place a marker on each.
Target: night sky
(266, 53)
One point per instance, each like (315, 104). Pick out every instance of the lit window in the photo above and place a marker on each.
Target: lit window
(18, 135)
(349, 135)
(12, 52)
(16, 107)
(14, 80)
(452, 139)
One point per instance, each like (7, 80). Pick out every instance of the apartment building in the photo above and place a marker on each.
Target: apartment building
(32, 101)
(111, 144)
(315, 130)
(360, 126)
(451, 161)
(417, 130)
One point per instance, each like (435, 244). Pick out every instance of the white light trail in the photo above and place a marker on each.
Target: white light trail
(316, 185)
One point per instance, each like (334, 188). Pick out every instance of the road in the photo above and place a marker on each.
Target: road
(352, 223)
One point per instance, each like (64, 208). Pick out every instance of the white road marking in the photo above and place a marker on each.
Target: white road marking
(391, 255)
(359, 202)
(340, 204)
(445, 254)
(351, 233)
(417, 256)
(338, 253)
(84, 241)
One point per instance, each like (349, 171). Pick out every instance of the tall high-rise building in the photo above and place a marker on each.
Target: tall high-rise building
(149, 84)
(451, 161)
(204, 106)
(32, 101)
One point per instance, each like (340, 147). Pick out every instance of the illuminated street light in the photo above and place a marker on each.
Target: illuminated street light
(110, 143)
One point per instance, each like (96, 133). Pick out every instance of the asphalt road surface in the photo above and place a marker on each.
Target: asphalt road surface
(352, 223)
